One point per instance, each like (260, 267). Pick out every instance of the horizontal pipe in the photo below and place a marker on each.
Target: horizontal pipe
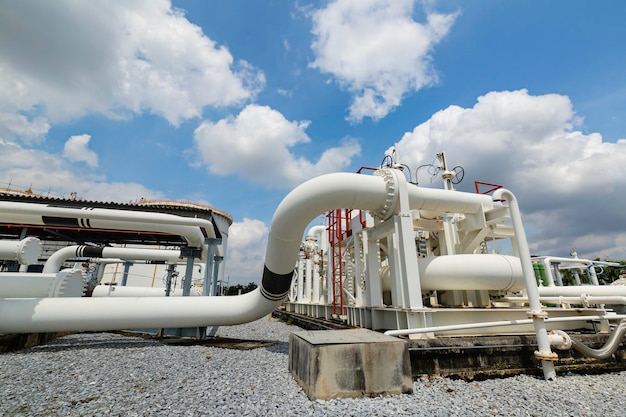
(55, 261)
(584, 299)
(481, 325)
(89, 217)
(37, 315)
(126, 291)
(579, 290)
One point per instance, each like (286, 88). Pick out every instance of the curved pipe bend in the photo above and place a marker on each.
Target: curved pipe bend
(55, 261)
(609, 348)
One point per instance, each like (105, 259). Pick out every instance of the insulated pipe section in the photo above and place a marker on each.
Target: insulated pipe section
(54, 263)
(68, 283)
(88, 217)
(25, 251)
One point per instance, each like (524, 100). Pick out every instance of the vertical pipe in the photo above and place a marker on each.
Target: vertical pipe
(536, 313)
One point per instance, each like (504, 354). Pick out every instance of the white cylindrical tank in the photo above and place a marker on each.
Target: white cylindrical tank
(471, 272)
(25, 251)
(467, 272)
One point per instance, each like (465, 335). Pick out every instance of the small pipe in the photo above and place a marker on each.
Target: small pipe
(584, 299)
(55, 261)
(611, 345)
(480, 325)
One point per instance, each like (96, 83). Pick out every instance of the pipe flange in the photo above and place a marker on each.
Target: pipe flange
(69, 283)
(391, 186)
(546, 356)
(564, 341)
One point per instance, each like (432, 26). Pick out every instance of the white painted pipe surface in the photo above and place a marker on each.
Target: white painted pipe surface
(536, 311)
(88, 217)
(33, 315)
(26, 251)
(501, 323)
(577, 291)
(471, 272)
(55, 261)
(126, 291)
(68, 283)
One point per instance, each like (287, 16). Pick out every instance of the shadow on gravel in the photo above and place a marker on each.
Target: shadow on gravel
(84, 341)
(69, 343)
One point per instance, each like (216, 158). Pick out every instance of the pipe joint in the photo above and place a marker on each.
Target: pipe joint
(391, 200)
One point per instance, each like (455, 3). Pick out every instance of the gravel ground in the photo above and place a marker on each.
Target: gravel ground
(107, 374)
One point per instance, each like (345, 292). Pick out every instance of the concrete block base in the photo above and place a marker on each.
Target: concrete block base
(349, 363)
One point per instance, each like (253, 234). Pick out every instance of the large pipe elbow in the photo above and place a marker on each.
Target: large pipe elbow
(301, 206)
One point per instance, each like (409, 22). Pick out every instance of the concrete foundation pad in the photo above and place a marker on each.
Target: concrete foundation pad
(349, 363)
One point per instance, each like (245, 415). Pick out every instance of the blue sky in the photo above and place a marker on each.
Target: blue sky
(233, 104)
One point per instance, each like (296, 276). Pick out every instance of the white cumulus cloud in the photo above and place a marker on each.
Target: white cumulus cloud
(570, 184)
(256, 146)
(77, 149)
(47, 173)
(376, 51)
(247, 242)
(64, 59)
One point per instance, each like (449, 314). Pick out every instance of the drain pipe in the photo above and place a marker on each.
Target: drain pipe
(55, 261)
(536, 312)
(611, 345)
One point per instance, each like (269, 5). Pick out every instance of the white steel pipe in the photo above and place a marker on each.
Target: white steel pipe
(536, 312)
(583, 299)
(55, 261)
(25, 251)
(126, 291)
(501, 323)
(89, 217)
(68, 283)
(577, 291)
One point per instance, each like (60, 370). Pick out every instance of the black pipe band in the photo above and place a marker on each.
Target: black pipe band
(91, 252)
(59, 221)
(275, 286)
